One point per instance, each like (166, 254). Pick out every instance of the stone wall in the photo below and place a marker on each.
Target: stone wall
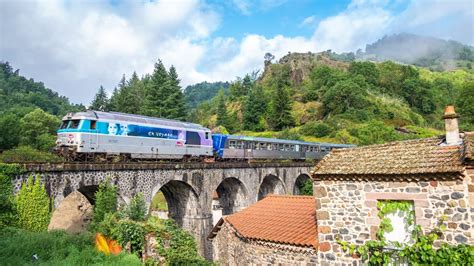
(348, 209)
(230, 249)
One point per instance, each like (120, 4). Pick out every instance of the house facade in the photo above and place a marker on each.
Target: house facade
(435, 175)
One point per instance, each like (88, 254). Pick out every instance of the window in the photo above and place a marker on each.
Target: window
(74, 123)
(281, 147)
(232, 144)
(193, 138)
(401, 220)
(64, 124)
(93, 124)
(207, 135)
(269, 146)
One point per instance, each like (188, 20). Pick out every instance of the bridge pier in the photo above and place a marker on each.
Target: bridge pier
(188, 188)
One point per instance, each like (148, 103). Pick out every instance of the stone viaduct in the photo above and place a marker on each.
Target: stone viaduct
(188, 188)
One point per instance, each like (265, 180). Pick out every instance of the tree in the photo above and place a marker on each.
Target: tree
(367, 69)
(268, 58)
(33, 205)
(113, 102)
(38, 129)
(157, 91)
(255, 107)
(465, 105)
(9, 131)
(222, 117)
(105, 201)
(344, 96)
(175, 105)
(137, 209)
(280, 109)
(100, 102)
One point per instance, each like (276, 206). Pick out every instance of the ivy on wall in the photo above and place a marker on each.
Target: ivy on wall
(33, 203)
(421, 252)
(8, 213)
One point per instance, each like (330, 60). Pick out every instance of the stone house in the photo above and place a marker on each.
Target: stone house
(435, 174)
(275, 230)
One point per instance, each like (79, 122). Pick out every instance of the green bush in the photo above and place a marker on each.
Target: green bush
(55, 248)
(105, 201)
(136, 211)
(288, 134)
(158, 203)
(175, 244)
(8, 213)
(130, 232)
(307, 188)
(32, 204)
(28, 154)
(318, 129)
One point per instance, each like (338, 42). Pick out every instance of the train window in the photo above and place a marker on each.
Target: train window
(232, 144)
(74, 124)
(193, 138)
(281, 147)
(64, 124)
(207, 135)
(269, 146)
(240, 144)
(93, 124)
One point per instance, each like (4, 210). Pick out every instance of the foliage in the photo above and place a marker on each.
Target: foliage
(175, 244)
(55, 248)
(374, 132)
(421, 252)
(128, 232)
(280, 109)
(200, 92)
(288, 134)
(318, 129)
(255, 107)
(222, 116)
(465, 106)
(159, 202)
(101, 101)
(344, 96)
(136, 210)
(38, 129)
(8, 212)
(18, 92)
(307, 188)
(32, 204)
(28, 154)
(9, 131)
(105, 201)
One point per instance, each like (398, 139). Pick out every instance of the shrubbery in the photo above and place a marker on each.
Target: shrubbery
(33, 206)
(55, 248)
(28, 154)
(318, 129)
(105, 201)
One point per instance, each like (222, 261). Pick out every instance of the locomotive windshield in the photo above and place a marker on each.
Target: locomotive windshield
(74, 124)
(64, 124)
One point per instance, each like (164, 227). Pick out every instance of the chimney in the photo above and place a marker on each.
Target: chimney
(451, 124)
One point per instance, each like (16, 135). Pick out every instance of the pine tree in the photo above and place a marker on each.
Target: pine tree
(254, 108)
(157, 92)
(113, 102)
(280, 109)
(222, 117)
(100, 102)
(175, 103)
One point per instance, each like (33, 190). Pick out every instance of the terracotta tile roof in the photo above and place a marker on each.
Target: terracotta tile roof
(281, 219)
(420, 156)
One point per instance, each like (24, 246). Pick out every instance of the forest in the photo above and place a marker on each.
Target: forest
(325, 97)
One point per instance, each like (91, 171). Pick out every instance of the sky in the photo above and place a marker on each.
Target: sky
(74, 47)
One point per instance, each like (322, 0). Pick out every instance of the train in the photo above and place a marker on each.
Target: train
(97, 135)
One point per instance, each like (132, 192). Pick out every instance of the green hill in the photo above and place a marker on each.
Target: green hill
(328, 97)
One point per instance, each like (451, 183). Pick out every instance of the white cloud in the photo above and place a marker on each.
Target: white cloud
(308, 22)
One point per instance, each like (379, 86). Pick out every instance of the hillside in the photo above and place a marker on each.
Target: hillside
(434, 53)
(317, 98)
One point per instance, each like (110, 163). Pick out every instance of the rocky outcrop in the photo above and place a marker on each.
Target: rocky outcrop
(73, 215)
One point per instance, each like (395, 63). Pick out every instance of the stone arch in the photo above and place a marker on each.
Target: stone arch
(300, 180)
(88, 192)
(271, 185)
(182, 200)
(231, 195)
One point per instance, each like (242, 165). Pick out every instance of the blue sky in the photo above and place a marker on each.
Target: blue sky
(76, 46)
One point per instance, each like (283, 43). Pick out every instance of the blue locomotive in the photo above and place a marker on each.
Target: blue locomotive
(89, 135)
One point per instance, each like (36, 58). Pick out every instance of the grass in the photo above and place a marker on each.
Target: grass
(55, 248)
(158, 203)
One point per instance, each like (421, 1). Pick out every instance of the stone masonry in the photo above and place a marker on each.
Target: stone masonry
(188, 188)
